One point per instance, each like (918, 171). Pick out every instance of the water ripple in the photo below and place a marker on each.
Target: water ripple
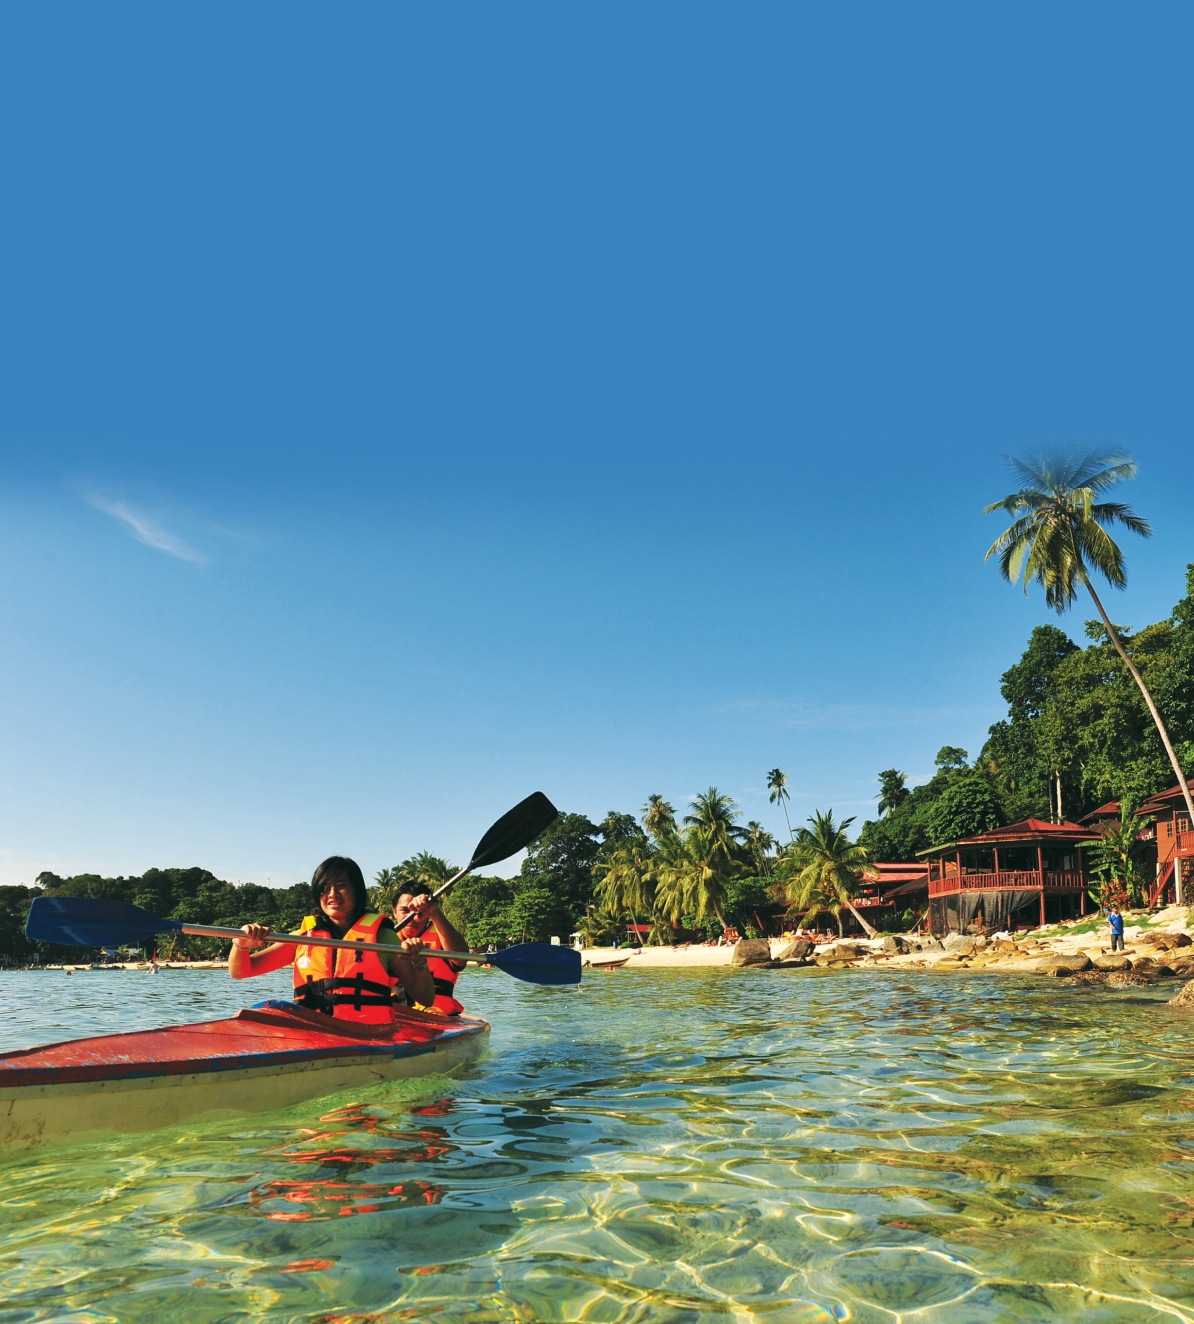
(657, 1146)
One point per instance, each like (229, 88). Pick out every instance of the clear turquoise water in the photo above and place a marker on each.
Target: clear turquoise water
(665, 1146)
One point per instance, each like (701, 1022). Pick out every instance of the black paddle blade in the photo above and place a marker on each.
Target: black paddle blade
(539, 963)
(515, 830)
(84, 921)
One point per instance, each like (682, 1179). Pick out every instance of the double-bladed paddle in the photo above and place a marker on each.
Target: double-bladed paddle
(83, 921)
(514, 830)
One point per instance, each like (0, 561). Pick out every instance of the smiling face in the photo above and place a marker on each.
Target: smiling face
(339, 902)
(401, 910)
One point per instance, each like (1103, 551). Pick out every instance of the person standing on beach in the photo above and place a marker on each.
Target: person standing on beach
(1115, 922)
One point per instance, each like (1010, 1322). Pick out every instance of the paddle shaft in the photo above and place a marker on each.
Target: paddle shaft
(312, 940)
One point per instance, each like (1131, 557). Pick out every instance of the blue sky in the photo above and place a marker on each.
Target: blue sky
(405, 409)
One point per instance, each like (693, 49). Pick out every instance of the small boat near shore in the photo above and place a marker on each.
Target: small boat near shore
(607, 965)
(263, 1058)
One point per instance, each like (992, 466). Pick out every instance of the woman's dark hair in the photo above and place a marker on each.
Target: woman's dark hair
(336, 869)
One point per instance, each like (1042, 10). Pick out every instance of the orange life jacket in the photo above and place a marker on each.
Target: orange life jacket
(444, 975)
(353, 986)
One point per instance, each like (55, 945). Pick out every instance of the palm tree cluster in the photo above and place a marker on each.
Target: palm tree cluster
(680, 873)
(424, 868)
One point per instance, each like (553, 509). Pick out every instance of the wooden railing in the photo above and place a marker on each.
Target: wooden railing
(1184, 845)
(1068, 881)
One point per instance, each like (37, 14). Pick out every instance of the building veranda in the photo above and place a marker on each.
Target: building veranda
(1025, 874)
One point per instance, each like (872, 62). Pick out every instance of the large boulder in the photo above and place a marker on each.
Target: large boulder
(796, 950)
(1059, 966)
(751, 951)
(959, 943)
(1112, 961)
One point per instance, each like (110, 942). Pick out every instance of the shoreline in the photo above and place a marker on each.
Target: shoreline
(1158, 947)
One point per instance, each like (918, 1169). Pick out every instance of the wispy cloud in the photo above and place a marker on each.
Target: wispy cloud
(147, 530)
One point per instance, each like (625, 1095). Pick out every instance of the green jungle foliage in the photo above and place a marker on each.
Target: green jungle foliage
(192, 895)
(1073, 712)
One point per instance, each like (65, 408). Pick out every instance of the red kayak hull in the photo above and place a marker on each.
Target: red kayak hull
(259, 1059)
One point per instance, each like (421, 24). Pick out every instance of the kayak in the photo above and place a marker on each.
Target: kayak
(265, 1057)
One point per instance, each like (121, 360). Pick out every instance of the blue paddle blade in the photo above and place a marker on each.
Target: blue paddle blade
(84, 921)
(539, 963)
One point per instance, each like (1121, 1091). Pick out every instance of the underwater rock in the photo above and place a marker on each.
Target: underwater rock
(1060, 966)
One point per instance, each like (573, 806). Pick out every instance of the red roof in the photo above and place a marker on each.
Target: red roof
(1109, 810)
(1031, 829)
(920, 884)
(1173, 793)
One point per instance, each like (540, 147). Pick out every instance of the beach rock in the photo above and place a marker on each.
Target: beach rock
(1185, 998)
(887, 944)
(796, 950)
(1129, 979)
(1060, 966)
(751, 951)
(958, 942)
(1151, 969)
(1182, 939)
(1112, 961)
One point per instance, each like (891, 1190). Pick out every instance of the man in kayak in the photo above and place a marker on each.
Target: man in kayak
(350, 985)
(428, 922)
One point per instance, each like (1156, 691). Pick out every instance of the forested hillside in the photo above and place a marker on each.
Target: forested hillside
(1076, 730)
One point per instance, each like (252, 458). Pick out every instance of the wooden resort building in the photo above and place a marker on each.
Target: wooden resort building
(1166, 845)
(1024, 874)
(1174, 838)
(900, 886)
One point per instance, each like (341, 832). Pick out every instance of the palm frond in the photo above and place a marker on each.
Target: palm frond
(1103, 553)
(1115, 512)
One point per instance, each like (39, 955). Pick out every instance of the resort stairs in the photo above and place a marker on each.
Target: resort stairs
(1162, 882)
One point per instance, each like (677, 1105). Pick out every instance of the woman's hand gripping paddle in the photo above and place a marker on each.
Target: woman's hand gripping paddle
(81, 921)
(528, 819)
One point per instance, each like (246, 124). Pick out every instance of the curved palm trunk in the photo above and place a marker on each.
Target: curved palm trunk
(1152, 708)
(787, 820)
(866, 928)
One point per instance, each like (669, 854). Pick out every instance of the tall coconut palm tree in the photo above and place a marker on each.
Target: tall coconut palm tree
(694, 868)
(1057, 537)
(893, 791)
(717, 812)
(760, 842)
(777, 784)
(827, 867)
(627, 881)
(659, 817)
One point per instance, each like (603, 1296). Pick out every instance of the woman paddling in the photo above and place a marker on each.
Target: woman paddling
(350, 985)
